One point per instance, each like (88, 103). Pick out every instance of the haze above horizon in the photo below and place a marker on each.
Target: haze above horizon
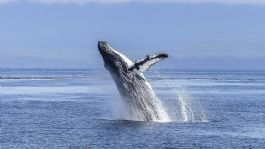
(206, 34)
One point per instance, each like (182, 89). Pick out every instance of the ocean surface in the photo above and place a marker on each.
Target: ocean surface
(83, 109)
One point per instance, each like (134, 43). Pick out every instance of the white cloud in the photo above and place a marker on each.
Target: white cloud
(82, 2)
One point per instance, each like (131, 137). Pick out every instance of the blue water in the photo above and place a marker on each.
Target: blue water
(82, 109)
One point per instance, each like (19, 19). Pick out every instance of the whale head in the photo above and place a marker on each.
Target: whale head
(113, 59)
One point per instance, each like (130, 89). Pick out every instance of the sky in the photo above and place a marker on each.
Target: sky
(197, 34)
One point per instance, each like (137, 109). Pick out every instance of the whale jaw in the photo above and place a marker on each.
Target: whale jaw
(113, 59)
(106, 52)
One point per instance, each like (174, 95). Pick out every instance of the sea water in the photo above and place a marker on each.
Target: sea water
(82, 109)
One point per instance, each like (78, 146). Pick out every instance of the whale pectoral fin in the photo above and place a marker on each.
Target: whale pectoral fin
(144, 64)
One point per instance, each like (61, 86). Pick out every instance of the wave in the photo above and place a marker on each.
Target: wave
(42, 78)
(150, 77)
(210, 79)
(39, 90)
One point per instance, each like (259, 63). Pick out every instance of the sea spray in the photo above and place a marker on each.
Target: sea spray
(118, 109)
(183, 108)
(191, 110)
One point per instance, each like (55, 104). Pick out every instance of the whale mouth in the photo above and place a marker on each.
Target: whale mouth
(104, 50)
(102, 43)
(102, 47)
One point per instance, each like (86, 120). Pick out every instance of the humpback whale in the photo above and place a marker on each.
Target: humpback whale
(137, 94)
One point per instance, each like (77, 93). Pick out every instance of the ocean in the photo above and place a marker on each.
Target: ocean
(82, 109)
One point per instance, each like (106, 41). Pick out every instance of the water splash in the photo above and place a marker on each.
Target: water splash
(184, 109)
(140, 101)
(154, 109)
(191, 111)
(142, 104)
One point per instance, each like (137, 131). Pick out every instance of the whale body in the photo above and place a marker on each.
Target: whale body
(137, 94)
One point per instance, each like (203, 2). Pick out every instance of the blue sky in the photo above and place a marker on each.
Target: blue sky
(202, 34)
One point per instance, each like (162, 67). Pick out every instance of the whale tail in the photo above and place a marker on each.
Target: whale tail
(145, 63)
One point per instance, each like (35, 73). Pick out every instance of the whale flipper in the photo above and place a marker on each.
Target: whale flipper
(145, 63)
